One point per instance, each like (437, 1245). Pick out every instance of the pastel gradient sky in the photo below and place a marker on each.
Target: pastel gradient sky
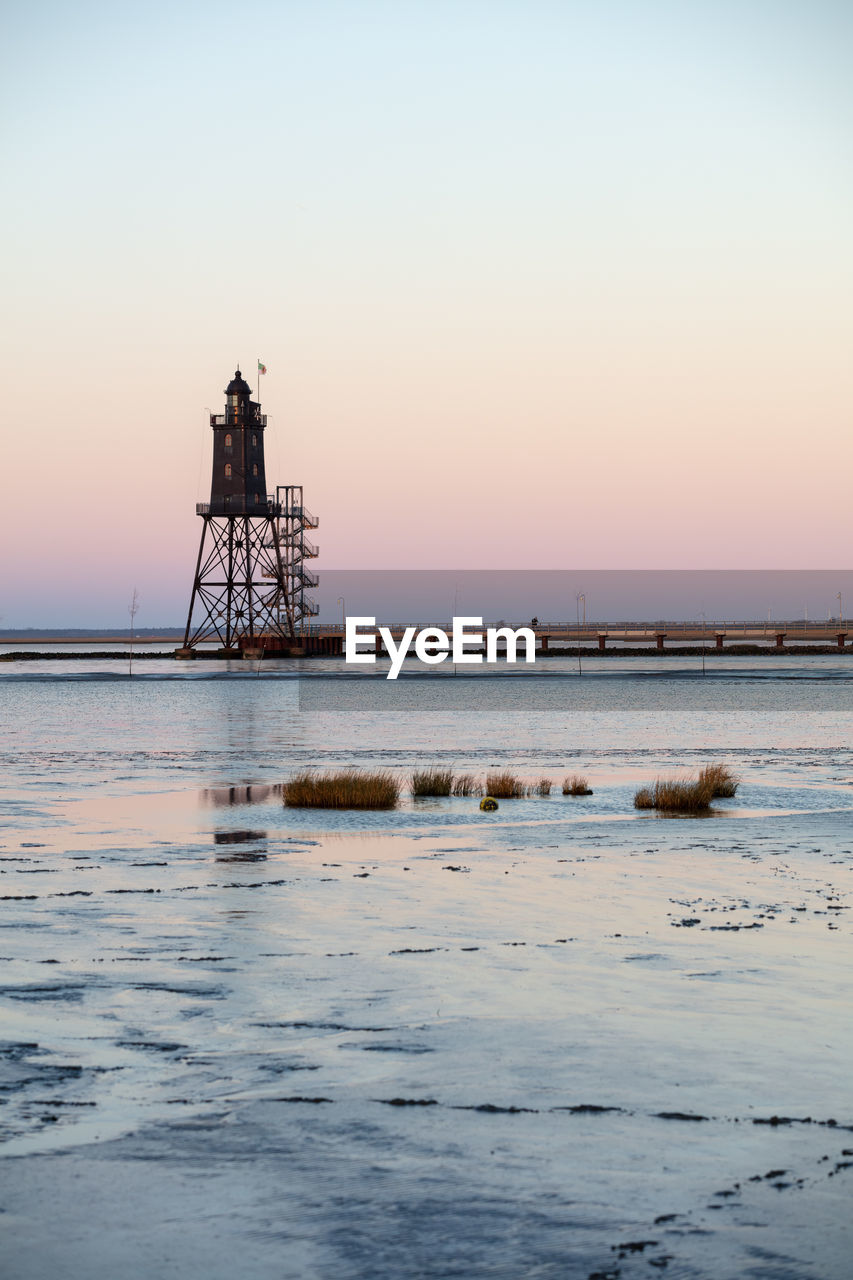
(538, 284)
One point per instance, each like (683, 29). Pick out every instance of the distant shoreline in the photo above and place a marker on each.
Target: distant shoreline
(695, 651)
(90, 637)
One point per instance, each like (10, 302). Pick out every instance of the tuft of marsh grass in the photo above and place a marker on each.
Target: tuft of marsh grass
(676, 795)
(722, 780)
(346, 789)
(644, 798)
(432, 782)
(505, 786)
(464, 784)
(576, 785)
(540, 788)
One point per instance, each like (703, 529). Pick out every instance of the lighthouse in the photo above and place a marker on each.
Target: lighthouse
(249, 586)
(238, 485)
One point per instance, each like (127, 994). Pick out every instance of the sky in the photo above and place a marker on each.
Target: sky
(538, 285)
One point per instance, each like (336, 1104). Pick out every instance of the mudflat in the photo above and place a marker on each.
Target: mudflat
(564, 1038)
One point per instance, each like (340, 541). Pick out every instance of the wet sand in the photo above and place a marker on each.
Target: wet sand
(238, 1042)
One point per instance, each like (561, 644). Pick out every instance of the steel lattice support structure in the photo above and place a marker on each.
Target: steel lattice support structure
(248, 589)
(240, 590)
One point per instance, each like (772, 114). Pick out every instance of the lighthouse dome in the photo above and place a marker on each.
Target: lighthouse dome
(238, 386)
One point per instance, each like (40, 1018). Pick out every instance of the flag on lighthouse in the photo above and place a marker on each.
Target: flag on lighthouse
(262, 368)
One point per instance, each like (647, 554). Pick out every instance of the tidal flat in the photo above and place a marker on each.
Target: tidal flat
(563, 1039)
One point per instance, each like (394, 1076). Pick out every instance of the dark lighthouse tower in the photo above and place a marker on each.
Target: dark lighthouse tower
(240, 594)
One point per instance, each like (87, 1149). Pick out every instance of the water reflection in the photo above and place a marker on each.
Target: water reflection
(241, 837)
(242, 855)
(226, 797)
(238, 837)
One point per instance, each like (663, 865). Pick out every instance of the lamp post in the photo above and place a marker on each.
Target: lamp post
(840, 611)
(702, 616)
(580, 596)
(342, 602)
(455, 612)
(132, 609)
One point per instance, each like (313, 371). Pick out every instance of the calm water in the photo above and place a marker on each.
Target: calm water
(787, 725)
(429, 1042)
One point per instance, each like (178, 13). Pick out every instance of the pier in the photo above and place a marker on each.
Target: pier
(328, 638)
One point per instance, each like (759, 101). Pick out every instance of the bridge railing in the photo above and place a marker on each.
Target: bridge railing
(671, 628)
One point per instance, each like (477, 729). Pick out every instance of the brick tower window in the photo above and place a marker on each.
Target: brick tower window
(227, 470)
(228, 440)
(254, 468)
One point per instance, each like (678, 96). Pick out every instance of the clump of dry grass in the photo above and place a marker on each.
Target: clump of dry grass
(576, 785)
(465, 784)
(505, 786)
(436, 781)
(676, 795)
(433, 781)
(644, 798)
(540, 788)
(347, 789)
(722, 780)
